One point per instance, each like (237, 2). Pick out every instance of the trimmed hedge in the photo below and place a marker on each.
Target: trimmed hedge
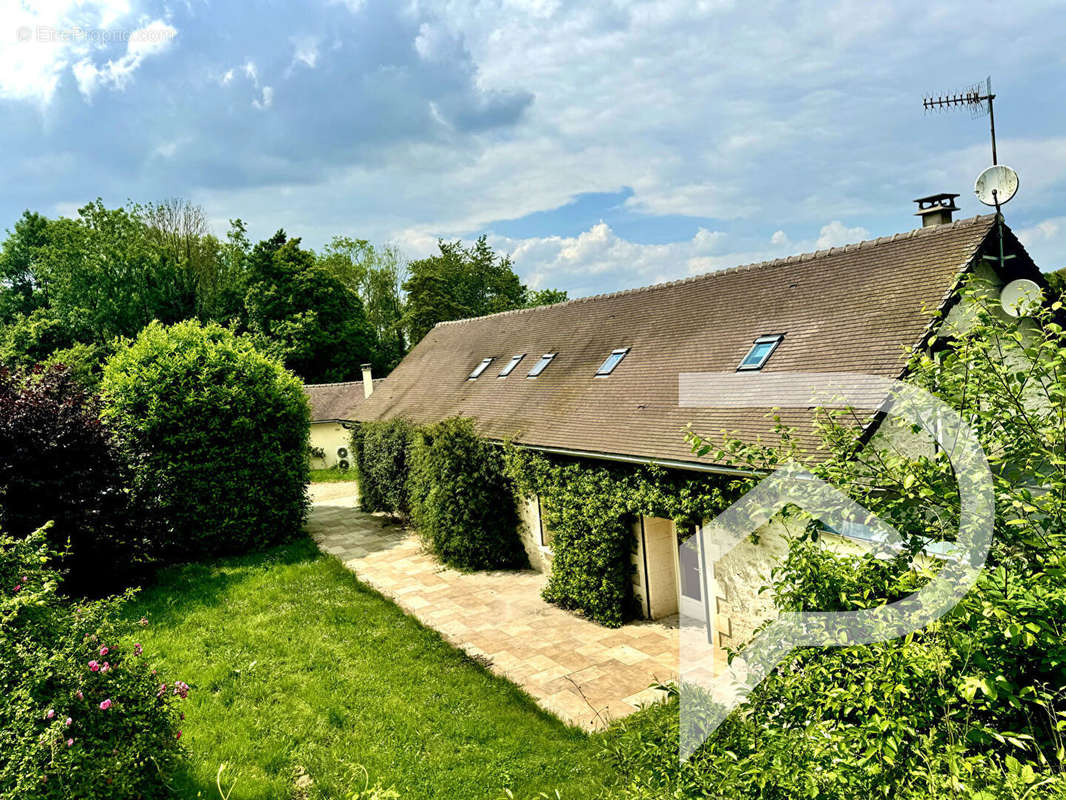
(461, 500)
(380, 454)
(217, 434)
(59, 465)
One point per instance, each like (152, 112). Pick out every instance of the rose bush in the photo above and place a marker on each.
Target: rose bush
(82, 713)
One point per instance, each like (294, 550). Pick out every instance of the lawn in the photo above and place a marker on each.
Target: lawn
(332, 475)
(298, 669)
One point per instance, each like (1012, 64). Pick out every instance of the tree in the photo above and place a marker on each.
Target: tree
(375, 275)
(303, 315)
(459, 282)
(1057, 281)
(545, 297)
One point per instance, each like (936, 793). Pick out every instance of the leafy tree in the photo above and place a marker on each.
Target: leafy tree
(375, 275)
(1057, 281)
(20, 267)
(304, 316)
(58, 464)
(459, 282)
(545, 297)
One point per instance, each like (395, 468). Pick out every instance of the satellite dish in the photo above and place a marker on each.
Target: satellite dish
(996, 185)
(1020, 296)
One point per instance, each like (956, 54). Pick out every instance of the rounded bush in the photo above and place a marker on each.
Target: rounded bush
(82, 713)
(59, 464)
(461, 500)
(217, 435)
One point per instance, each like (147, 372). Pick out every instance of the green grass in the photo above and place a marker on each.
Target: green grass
(332, 475)
(295, 665)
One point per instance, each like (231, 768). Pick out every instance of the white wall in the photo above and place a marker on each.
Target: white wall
(330, 436)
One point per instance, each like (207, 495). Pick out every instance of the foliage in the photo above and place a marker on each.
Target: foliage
(308, 667)
(82, 714)
(460, 498)
(303, 315)
(1057, 281)
(456, 283)
(970, 706)
(375, 274)
(217, 434)
(591, 508)
(59, 464)
(544, 297)
(381, 455)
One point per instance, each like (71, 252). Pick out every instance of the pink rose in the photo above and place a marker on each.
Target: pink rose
(94, 666)
(79, 695)
(104, 706)
(137, 649)
(70, 742)
(104, 651)
(105, 667)
(49, 714)
(17, 587)
(68, 722)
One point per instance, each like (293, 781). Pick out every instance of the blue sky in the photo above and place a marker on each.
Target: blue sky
(605, 145)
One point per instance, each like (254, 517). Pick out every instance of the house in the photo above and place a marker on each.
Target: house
(333, 412)
(597, 377)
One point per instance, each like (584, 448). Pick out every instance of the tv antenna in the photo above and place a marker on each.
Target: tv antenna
(977, 98)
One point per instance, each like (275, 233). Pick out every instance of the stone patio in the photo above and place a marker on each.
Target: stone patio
(584, 673)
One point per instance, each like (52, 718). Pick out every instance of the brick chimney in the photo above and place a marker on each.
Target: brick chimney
(936, 209)
(368, 381)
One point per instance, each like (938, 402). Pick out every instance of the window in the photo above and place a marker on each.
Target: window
(509, 367)
(540, 366)
(613, 360)
(761, 350)
(484, 365)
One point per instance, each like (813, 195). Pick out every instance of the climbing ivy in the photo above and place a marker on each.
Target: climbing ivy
(591, 506)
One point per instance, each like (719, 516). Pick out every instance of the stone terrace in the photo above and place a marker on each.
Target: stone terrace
(584, 673)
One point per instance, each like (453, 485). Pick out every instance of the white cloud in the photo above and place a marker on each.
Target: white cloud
(42, 40)
(836, 233)
(116, 74)
(305, 53)
(266, 100)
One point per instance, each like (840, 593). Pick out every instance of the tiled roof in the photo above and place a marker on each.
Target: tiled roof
(858, 308)
(335, 401)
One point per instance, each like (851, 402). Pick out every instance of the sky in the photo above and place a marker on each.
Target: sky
(603, 145)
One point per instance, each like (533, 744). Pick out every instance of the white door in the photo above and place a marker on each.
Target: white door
(691, 584)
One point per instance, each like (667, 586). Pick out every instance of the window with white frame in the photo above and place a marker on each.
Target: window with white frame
(510, 365)
(484, 365)
(612, 361)
(761, 349)
(541, 365)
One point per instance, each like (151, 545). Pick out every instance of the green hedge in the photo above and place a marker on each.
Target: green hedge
(217, 435)
(461, 500)
(381, 451)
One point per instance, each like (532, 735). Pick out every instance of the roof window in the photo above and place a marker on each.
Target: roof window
(484, 365)
(612, 361)
(541, 365)
(761, 350)
(510, 365)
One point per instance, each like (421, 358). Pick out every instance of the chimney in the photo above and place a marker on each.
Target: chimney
(936, 209)
(368, 381)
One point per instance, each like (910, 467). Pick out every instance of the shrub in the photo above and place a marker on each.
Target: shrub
(217, 434)
(59, 464)
(381, 452)
(461, 501)
(82, 714)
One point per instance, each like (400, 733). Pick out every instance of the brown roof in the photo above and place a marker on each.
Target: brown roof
(335, 401)
(858, 308)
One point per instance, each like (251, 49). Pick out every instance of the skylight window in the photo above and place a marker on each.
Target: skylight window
(509, 367)
(484, 365)
(613, 360)
(541, 365)
(761, 350)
